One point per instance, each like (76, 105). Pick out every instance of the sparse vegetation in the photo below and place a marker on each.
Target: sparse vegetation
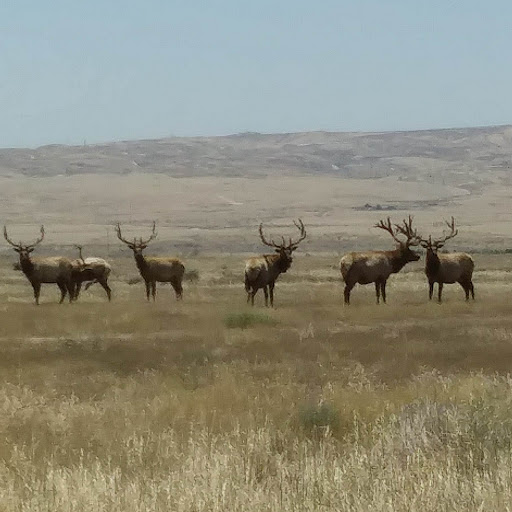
(322, 416)
(247, 319)
(191, 276)
(163, 406)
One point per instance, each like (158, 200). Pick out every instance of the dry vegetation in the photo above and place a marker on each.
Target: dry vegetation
(210, 405)
(207, 404)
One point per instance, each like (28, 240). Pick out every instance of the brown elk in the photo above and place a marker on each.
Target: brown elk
(44, 270)
(263, 271)
(448, 268)
(376, 266)
(152, 269)
(89, 271)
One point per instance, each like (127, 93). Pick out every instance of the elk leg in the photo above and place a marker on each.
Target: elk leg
(148, 285)
(430, 290)
(63, 291)
(465, 287)
(346, 293)
(377, 290)
(265, 291)
(271, 289)
(178, 288)
(89, 284)
(440, 292)
(37, 291)
(383, 290)
(153, 290)
(76, 292)
(70, 287)
(107, 289)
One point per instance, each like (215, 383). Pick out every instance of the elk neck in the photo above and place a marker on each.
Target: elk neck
(276, 263)
(27, 266)
(398, 259)
(282, 262)
(432, 262)
(141, 262)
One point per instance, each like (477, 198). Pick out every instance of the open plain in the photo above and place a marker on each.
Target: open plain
(208, 404)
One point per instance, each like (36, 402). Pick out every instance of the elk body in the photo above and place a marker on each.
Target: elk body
(376, 266)
(155, 269)
(263, 271)
(55, 270)
(447, 268)
(90, 271)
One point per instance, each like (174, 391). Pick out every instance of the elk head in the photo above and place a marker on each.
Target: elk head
(285, 249)
(405, 229)
(24, 250)
(137, 246)
(433, 245)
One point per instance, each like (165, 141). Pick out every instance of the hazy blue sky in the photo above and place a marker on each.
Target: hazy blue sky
(108, 70)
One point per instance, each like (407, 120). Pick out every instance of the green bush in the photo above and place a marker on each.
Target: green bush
(314, 417)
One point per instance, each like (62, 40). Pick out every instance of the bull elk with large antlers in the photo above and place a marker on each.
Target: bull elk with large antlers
(152, 269)
(55, 270)
(89, 271)
(263, 271)
(448, 268)
(376, 266)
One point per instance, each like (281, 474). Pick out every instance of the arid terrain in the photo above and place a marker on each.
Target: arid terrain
(209, 404)
(209, 194)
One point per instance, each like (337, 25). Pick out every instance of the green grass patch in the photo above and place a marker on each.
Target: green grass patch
(319, 416)
(245, 320)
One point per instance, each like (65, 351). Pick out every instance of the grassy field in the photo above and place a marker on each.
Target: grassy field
(208, 404)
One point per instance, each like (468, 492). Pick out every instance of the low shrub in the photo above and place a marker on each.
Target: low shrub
(248, 319)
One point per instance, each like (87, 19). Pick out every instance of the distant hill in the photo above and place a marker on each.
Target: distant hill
(468, 157)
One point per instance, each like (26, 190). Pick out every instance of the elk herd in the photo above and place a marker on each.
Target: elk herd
(261, 272)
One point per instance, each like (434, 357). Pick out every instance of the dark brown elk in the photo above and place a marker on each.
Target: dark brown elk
(263, 271)
(376, 266)
(447, 268)
(55, 270)
(153, 269)
(90, 271)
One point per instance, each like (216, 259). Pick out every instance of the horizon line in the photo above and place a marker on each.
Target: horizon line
(250, 132)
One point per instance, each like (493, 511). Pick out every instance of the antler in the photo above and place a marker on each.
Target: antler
(406, 229)
(386, 226)
(153, 235)
(120, 236)
(141, 244)
(265, 241)
(20, 246)
(300, 226)
(39, 240)
(291, 244)
(439, 242)
(79, 247)
(453, 232)
(6, 236)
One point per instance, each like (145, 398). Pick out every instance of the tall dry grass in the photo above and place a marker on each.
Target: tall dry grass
(210, 405)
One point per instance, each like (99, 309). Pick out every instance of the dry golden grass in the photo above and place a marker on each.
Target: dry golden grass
(135, 406)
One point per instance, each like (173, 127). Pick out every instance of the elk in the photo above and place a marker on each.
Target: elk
(448, 268)
(152, 269)
(55, 269)
(263, 271)
(89, 271)
(376, 266)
